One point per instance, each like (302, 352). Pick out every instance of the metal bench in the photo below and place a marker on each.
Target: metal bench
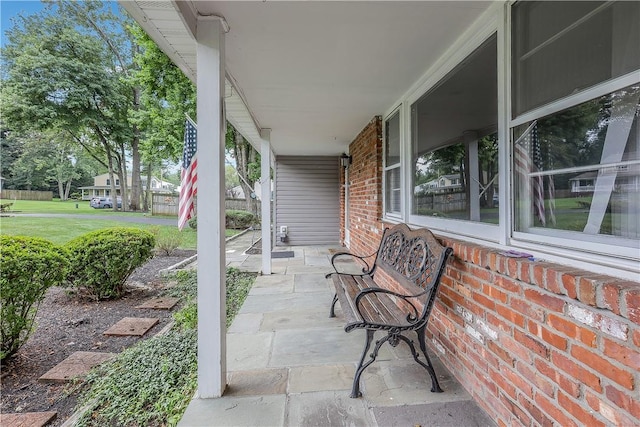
(415, 260)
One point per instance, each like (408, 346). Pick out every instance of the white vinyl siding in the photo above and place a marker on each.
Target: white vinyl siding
(307, 200)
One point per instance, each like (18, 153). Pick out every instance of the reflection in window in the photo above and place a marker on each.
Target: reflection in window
(442, 181)
(579, 169)
(392, 190)
(455, 144)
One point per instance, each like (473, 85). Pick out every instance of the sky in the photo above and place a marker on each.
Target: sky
(11, 9)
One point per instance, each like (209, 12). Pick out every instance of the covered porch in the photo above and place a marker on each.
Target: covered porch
(289, 364)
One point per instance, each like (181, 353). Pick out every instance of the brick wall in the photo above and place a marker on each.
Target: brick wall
(535, 343)
(365, 188)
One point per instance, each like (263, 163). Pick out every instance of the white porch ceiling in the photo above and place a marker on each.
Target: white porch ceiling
(315, 73)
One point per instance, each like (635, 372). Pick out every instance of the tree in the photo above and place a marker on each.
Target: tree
(64, 70)
(231, 180)
(166, 97)
(247, 164)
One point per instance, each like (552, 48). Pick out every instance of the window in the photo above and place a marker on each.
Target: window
(117, 182)
(108, 181)
(392, 185)
(577, 163)
(454, 142)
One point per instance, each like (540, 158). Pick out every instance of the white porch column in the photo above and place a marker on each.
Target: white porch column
(212, 349)
(265, 196)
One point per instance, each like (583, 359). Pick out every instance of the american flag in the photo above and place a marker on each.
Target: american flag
(531, 186)
(188, 174)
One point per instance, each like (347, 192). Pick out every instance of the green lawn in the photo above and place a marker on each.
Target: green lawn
(60, 230)
(59, 207)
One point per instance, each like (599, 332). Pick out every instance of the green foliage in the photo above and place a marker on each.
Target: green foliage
(187, 316)
(149, 384)
(168, 239)
(193, 223)
(153, 382)
(28, 267)
(239, 219)
(101, 261)
(238, 286)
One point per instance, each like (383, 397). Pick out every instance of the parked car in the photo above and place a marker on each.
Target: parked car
(104, 202)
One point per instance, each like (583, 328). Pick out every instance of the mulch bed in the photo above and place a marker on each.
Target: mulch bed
(66, 325)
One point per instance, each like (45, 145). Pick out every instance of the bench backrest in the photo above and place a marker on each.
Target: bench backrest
(415, 259)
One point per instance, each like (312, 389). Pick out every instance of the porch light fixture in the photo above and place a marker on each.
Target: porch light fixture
(345, 160)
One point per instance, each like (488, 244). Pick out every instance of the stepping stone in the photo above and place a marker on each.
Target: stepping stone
(76, 365)
(161, 303)
(137, 326)
(27, 419)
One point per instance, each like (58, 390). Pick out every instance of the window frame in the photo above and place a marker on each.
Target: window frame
(601, 250)
(393, 215)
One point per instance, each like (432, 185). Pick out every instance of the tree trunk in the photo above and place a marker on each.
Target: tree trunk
(67, 190)
(61, 190)
(124, 185)
(136, 182)
(148, 189)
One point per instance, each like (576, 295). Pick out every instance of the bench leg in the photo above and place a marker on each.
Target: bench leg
(332, 312)
(435, 386)
(355, 390)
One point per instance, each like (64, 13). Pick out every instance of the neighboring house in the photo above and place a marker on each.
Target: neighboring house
(547, 342)
(102, 186)
(442, 184)
(584, 183)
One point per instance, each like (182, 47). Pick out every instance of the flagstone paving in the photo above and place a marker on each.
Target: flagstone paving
(160, 303)
(137, 326)
(27, 419)
(76, 365)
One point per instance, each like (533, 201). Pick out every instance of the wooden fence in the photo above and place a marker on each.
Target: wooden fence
(167, 204)
(43, 196)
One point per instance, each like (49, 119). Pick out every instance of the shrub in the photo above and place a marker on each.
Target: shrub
(193, 223)
(28, 267)
(168, 239)
(101, 261)
(240, 219)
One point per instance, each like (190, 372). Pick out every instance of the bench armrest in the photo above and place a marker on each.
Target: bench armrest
(413, 314)
(366, 268)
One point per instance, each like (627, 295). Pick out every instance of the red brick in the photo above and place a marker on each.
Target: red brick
(570, 386)
(500, 352)
(482, 274)
(581, 413)
(632, 300)
(526, 308)
(516, 410)
(563, 325)
(535, 412)
(599, 364)
(510, 315)
(495, 293)
(625, 355)
(483, 300)
(551, 408)
(554, 339)
(532, 344)
(623, 400)
(611, 293)
(545, 300)
(508, 284)
(537, 380)
(517, 380)
(636, 337)
(515, 349)
(574, 370)
(569, 283)
(538, 275)
(587, 289)
(499, 323)
(553, 284)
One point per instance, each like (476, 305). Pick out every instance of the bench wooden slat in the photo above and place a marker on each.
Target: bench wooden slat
(415, 260)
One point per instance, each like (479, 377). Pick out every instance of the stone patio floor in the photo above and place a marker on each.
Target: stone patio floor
(289, 364)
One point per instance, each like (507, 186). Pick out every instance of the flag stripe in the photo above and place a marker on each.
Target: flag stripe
(188, 175)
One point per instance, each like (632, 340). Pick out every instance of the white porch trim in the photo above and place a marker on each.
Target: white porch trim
(212, 332)
(265, 187)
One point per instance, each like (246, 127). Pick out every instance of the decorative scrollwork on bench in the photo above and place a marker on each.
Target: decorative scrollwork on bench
(415, 260)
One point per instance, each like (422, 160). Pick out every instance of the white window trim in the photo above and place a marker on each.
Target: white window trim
(591, 256)
(386, 214)
(561, 245)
